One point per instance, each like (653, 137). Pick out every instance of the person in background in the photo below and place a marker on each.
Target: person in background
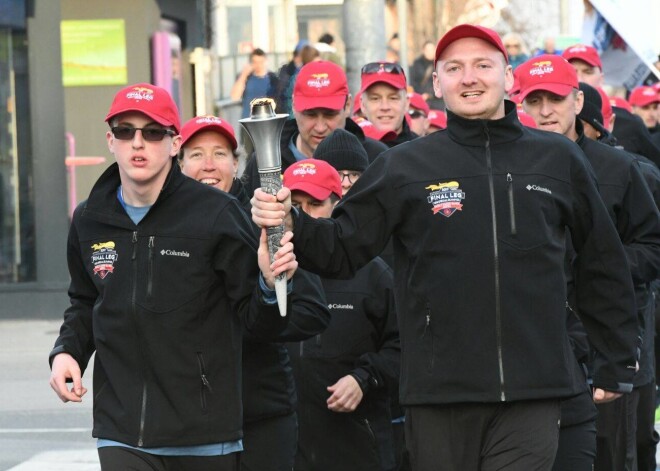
(286, 75)
(326, 49)
(644, 102)
(209, 154)
(384, 99)
(345, 375)
(516, 48)
(418, 114)
(321, 104)
(421, 76)
(254, 81)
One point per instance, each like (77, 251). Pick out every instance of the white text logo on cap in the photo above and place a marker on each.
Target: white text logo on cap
(141, 93)
(541, 68)
(208, 120)
(305, 169)
(318, 81)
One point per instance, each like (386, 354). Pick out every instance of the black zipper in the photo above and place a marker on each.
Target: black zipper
(206, 386)
(427, 329)
(512, 206)
(150, 269)
(498, 309)
(370, 430)
(143, 410)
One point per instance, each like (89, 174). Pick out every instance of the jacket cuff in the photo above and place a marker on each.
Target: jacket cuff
(364, 380)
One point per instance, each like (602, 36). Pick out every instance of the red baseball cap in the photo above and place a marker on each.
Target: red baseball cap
(315, 177)
(372, 132)
(525, 118)
(320, 84)
(390, 73)
(469, 31)
(617, 101)
(642, 96)
(419, 103)
(208, 123)
(584, 53)
(547, 72)
(148, 99)
(437, 119)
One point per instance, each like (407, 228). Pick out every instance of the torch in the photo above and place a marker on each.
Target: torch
(265, 128)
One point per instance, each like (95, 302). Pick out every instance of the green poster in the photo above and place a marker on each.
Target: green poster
(93, 52)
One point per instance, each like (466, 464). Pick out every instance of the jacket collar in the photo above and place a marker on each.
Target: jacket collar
(103, 197)
(473, 132)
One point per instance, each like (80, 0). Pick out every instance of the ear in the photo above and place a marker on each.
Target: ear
(436, 85)
(508, 78)
(110, 139)
(579, 102)
(176, 145)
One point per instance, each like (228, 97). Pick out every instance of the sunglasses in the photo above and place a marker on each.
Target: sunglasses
(388, 67)
(414, 114)
(126, 133)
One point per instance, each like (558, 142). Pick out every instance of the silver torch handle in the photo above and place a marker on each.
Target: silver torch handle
(265, 129)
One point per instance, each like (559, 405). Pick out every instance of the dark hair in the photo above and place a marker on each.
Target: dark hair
(327, 38)
(257, 52)
(308, 54)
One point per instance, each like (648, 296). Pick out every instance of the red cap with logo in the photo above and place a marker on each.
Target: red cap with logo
(469, 31)
(315, 177)
(617, 101)
(208, 123)
(419, 103)
(525, 118)
(320, 84)
(437, 119)
(389, 73)
(584, 53)
(372, 132)
(148, 99)
(642, 96)
(547, 72)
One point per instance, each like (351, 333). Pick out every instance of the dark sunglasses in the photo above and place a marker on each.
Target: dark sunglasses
(126, 133)
(375, 67)
(414, 114)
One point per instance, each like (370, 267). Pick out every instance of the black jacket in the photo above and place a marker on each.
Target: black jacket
(362, 340)
(478, 215)
(250, 175)
(631, 133)
(268, 385)
(163, 304)
(405, 135)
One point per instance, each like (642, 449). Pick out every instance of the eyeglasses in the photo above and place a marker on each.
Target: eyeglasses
(126, 133)
(414, 114)
(376, 67)
(352, 176)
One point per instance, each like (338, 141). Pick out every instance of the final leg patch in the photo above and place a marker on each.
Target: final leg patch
(104, 258)
(445, 198)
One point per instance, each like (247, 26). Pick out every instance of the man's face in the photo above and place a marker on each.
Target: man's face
(258, 65)
(142, 164)
(472, 77)
(385, 106)
(316, 124)
(648, 113)
(310, 205)
(589, 74)
(554, 113)
(208, 158)
(419, 122)
(348, 179)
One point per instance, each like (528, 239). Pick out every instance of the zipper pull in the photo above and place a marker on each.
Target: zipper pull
(206, 383)
(135, 239)
(151, 242)
(512, 206)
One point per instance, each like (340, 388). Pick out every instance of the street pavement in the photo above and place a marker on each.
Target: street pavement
(37, 431)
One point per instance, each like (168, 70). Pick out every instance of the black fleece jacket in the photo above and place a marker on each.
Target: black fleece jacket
(163, 304)
(478, 214)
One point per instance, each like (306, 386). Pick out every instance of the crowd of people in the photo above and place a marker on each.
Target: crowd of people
(472, 260)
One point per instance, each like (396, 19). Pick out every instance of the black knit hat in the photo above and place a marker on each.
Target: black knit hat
(343, 151)
(591, 110)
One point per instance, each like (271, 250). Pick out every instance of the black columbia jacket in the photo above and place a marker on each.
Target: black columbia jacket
(163, 303)
(478, 214)
(362, 340)
(250, 175)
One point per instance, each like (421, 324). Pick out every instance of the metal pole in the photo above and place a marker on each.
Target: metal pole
(402, 11)
(364, 31)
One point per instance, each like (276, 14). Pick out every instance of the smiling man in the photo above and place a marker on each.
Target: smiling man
(479, 214)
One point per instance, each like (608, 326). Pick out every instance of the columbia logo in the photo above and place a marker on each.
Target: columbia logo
(538, 188)
(340, 306)
(174, 253)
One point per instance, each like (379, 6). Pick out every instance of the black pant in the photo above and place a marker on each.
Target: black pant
(270, 444)
(516, 436)
(647, 437)
(116, 458)
(615, 434)
(577, 447)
